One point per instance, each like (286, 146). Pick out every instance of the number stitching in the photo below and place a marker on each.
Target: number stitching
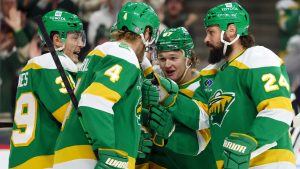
(114, 73)
(270, 80)
(25, 120)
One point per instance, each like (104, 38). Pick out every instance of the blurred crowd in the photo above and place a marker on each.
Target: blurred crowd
(19, 40)
(288, 20)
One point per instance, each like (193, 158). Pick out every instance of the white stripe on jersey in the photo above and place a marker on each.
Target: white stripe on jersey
(193, 86)
(77, 164)
(201, 142)
(46, 61)
(285, 165)
(277, 114)
(253, 57)
(204, 119)
(96, 102)
(114, 49)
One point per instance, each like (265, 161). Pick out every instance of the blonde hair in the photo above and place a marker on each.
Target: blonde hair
(124, 35)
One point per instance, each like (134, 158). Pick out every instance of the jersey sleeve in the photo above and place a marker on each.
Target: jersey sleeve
(270, 90)
(110, 83)
(48, 86)
(187, 141)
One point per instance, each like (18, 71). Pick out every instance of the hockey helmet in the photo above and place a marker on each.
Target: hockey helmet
(175, 39)
(62, 22)
(228, 13)
(136, 17)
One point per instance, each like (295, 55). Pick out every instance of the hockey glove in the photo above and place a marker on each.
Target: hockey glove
(237, 150)
(168, 91)
(161, 122)
(145, 144)
(150, 95)
(109, 159)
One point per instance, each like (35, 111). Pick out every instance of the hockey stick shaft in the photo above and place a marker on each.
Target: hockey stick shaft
(262, 149)
(5, 124)
(57, 62)
(61, 71)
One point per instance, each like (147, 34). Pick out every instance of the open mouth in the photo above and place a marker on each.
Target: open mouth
(76, 53)
(170, 72)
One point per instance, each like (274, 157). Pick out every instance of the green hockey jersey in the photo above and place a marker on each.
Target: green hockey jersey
(251, 94)
(41, 103)
(184, 140)
(109, 93)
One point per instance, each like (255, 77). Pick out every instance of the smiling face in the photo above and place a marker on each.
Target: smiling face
(172, 63)
(74, 43)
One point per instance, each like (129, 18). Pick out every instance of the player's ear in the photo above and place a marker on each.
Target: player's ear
(231, 31)
(147, 34)
(57, 42)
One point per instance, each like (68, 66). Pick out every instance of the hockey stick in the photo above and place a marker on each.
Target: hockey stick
(262, 149)
(5, 124)
(57, 61)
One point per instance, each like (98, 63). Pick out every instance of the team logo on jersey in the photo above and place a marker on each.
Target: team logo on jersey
(219, 105)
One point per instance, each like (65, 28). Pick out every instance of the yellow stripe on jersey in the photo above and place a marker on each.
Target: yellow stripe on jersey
(275, 103)
(205, 133)
(268, 157)
(208, 72)
(187, 92)
(238, 64)
(131, 160)
(193, 79)
(202, 105)
(97, 53)
(273, 156)
(148, 71)
(139, 109)
(74, 153)
(32, 66)
(281, 61)
(220, 164)
(59, 114)
(38, 162)
(99, 89)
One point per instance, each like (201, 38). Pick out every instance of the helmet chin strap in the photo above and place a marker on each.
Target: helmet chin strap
(185, 71)
(227, 43)
(61, 48)
(146, 43)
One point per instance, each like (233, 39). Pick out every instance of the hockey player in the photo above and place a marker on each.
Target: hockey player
(177, 61)
(247, 94)
(42, 98)
(109, 90)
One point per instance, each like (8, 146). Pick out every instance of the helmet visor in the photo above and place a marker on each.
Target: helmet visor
(78, 38)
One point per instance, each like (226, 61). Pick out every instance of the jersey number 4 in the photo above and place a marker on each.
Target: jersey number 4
(25, 120)
(114, 73)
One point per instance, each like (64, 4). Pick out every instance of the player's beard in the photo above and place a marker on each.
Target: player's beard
(216, 53)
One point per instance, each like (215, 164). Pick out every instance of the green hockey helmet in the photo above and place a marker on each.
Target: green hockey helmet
(136, 17)
(228, 13)
(175, 39)
(62, 22)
